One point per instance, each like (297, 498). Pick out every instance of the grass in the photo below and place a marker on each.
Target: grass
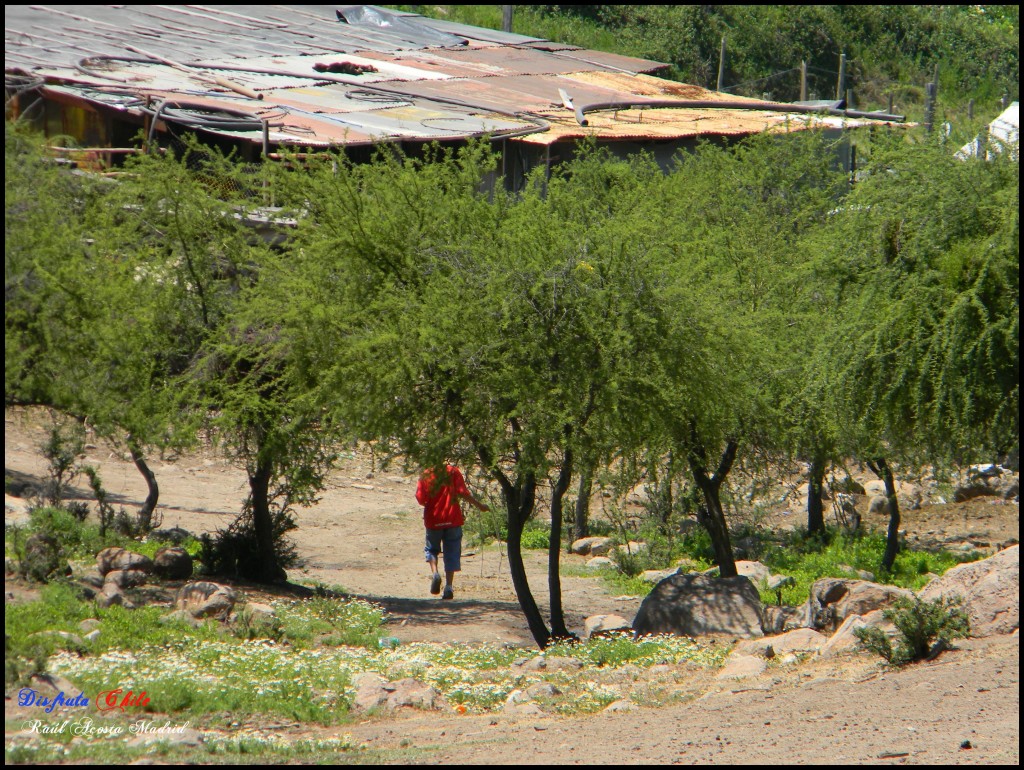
(802, 559)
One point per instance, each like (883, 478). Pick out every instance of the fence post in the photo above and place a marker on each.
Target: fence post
(803, 81)
(929, 106)
(721, 66)
(841, 84)
(506, 18)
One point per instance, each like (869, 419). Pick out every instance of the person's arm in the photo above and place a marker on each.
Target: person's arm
(469, 498)
(462, 491)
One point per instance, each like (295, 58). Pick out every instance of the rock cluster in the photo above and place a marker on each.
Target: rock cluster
(695, 604)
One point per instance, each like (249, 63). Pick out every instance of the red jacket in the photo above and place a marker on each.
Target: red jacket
(440, 500)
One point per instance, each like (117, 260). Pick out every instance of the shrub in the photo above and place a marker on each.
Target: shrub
(920, 624)
(234, 553)
(64, 445)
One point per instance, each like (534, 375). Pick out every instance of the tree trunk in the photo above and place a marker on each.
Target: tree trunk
(712, 515)
(519, 504)
(580, 526)
(146, 511)
(892, 537)
(263, 526)
(519, 501)
(558, 629)
(815, 506)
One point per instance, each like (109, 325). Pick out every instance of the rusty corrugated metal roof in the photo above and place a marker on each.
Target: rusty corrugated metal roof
(317, 75)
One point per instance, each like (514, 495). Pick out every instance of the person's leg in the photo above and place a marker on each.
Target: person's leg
(431, 549)
(452, 559)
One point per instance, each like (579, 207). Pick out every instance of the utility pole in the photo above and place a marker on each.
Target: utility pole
(506, 18)
(721, 66)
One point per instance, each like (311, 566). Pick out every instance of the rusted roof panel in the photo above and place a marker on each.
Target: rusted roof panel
(670, 124)
(322, 75)
(483, 62)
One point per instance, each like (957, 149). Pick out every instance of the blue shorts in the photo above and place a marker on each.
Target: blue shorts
(451, 538)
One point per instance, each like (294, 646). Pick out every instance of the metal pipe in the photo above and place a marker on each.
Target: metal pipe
(707, 104)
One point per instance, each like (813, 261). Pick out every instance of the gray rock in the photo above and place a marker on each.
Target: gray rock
(798, 640)
(205, 599)
(759, 648)
(879, 505)
(110, 595)
(754, 570)
(370, 692)
(989, 589)
(601, 625)
(599, 561)
(656, 575)
(832, 600)
(844, 640)
(89, 624)
(125, 578)
(582, 546)
(777, 620)
(632, 548)
(981, 487)
(412, 693)
(601, 546)
(118, 558)
(695, 604)
(173, 563)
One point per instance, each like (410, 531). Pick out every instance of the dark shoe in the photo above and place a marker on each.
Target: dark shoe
(435, 584)
(448, 593)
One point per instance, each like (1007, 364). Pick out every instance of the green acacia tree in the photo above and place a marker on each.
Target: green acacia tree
(736, 218)
(512, 334)
(81, 326)
(924, 368)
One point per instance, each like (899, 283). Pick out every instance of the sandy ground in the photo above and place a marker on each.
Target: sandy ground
(366, 536)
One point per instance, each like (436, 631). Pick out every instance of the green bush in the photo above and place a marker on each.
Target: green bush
(920, 624)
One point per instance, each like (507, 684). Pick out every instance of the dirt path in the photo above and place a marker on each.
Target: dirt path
(366, 536)
(840, 713)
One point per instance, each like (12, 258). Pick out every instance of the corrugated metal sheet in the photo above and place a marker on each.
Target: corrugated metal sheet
(379, 75)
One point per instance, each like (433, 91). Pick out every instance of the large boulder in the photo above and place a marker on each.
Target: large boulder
(989, 589)
(832, 600)
(205, 599)
(110, 559)
(173, 563)
(845, 640)
(695, 604)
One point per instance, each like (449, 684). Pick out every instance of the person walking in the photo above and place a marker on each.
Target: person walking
(440, 491)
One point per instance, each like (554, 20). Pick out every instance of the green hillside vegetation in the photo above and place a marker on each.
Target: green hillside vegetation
(891, 49)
